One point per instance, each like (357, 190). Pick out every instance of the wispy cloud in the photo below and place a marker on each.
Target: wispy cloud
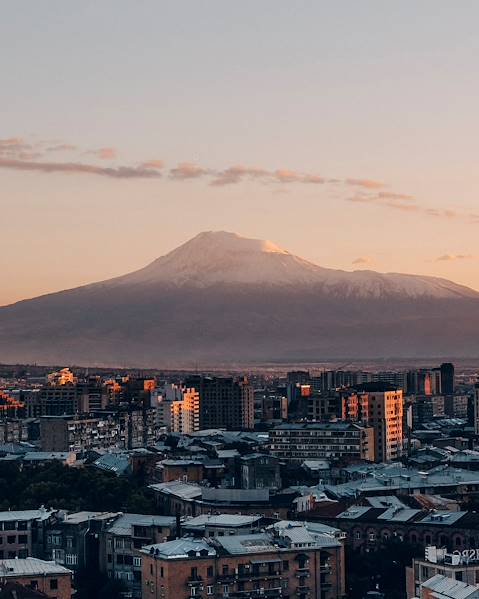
(236, 174)
(153, 164)
(366, 183)
(62, 148)
(187, 170)
(106, 153)
(17, 153)
(362, 260)
(454, 257)
(119, 172)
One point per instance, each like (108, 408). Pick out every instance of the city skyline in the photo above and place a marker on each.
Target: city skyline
(331, 130)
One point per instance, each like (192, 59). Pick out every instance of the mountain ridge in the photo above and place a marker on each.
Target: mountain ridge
(215, 257)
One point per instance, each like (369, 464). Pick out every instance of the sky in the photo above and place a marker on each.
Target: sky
(346, 132)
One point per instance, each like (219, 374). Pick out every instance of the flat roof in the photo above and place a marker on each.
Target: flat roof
(30, 566)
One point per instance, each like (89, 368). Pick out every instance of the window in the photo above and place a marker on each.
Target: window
(22, 539)
(209, 571)
(137, 561)
(11, 539)
(226, 590)
(209, 589)
(285, 565)
(53, 584)
(225, 569)
(194, 572)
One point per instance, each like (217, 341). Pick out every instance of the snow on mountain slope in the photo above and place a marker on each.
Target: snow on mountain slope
(226, 258)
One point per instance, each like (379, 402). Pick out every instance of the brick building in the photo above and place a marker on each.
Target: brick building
(22, 533)
(48, 578)
(289, 563)
(121, 541)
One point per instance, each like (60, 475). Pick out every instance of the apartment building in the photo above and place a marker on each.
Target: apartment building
(385, 415)
(48, 578)
(224, 402)
(22, 532)
(293, 562)
(460, 566)
(120, 543)
(334, 440)
(178, 408)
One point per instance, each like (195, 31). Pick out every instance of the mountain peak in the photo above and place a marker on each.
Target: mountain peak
(213, 257)
(231, 242)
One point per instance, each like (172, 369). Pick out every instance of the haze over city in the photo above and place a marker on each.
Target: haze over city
(344, 132)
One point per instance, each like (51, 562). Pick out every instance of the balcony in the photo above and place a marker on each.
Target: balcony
(325, 568)
(253, 574)
(303, 590)
(226, 578)
(195, 581)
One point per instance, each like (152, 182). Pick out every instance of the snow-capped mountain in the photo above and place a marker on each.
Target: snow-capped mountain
(221, 298)
(219, 257)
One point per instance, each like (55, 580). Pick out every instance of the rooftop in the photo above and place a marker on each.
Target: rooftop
(40, 514)
(30, 567)
(444, 587)
(226, 520)
(123, 525)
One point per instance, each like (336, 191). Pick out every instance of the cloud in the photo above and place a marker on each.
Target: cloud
(390, 195)
(187, 170)
(366, 183)
(153, 164)
(16, 146)
(104, 153)
(119, 172)
(62, 148)
(18, 154)
(238, 173)
(362, 260)
(288, 176)
(453, 257)
(235, 174)
(11, 142)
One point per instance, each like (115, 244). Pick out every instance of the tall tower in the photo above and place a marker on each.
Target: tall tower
(447, 378)
(385, 406)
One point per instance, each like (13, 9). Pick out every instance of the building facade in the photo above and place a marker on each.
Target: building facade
(333, 440)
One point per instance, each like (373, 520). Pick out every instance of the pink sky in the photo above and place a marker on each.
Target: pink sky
(345, 133)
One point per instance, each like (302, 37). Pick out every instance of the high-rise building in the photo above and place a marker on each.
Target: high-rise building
(385, 415)
(224, 402)
(447, 378)
(178, 408)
